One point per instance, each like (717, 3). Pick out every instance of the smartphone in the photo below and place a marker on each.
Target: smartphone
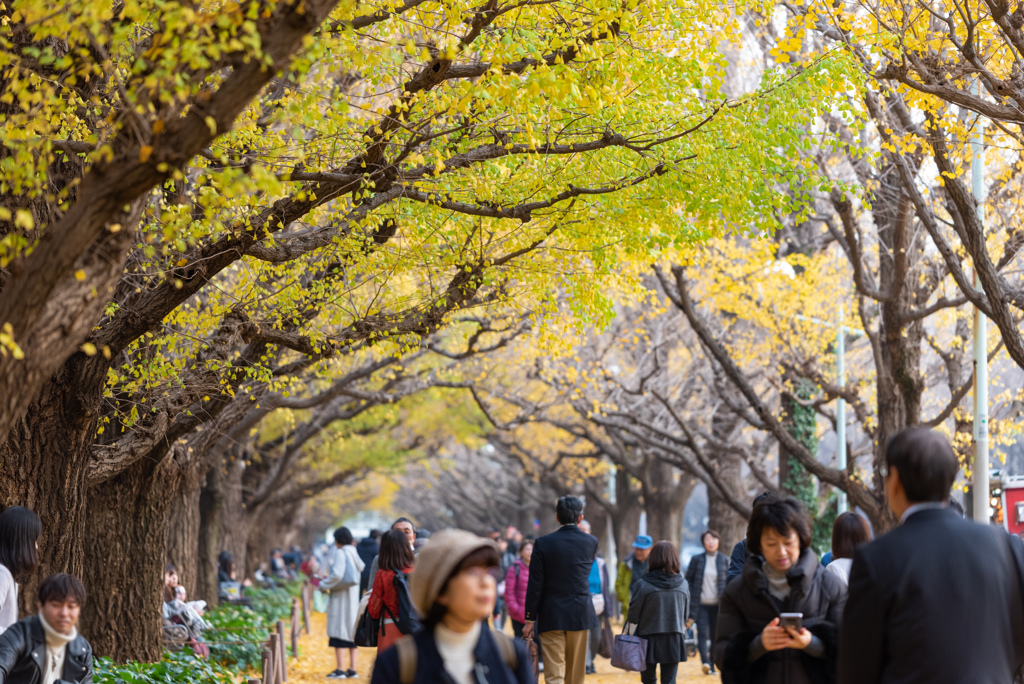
(794, 620)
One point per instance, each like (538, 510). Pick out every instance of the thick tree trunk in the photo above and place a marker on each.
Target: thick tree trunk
(723, 518)
(211, 501)
(625, 521)
(268, 530)
(664, 501)
(44, 464)
(183, 532)
(235, 522)
(126, 540)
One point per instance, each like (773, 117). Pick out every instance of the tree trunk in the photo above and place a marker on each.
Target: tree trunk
(211, 502)
(722, 517)
(127, 541)
(235, 522)
(45, 461)
(268, 530)
(625, 521)
(183, 533)
(664, 501)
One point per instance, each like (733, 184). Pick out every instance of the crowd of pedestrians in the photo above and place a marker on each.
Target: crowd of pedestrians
(937, 600)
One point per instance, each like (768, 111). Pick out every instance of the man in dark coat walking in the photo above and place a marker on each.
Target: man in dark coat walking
(938, 599)
(558, 595)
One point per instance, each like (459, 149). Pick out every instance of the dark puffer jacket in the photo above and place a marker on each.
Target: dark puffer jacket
(23, 655)
(660, 604)
(747, 607)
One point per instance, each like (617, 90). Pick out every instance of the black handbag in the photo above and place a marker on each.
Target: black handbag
(367, 630)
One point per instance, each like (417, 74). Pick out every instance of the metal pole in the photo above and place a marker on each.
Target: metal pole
(842, 505)
(981, 486)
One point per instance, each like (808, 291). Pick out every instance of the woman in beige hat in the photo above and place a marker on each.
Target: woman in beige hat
(454, 586)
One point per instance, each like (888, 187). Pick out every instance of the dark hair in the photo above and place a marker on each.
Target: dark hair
(785, 517)
(568, 510)
(395, 553)
(343, 536)
(765, 497)
(61, 588)
(19, 531)
(926, 463)
(709, 533)
(664, 557)
(226, 561)
(169, 568)
(374, 534)
(403, 520)
(848, 532)
(483, 557)
(523, 544)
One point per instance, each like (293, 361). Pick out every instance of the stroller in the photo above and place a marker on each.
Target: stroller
(690, 641)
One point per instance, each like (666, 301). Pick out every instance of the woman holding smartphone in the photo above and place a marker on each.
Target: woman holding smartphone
(778, 624)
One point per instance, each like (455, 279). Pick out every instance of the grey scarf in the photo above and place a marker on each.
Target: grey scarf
(778, 583)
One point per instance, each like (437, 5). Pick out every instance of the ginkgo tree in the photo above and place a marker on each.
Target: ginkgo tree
(202, 207)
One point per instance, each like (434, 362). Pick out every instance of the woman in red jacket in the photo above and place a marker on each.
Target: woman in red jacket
(395, 556)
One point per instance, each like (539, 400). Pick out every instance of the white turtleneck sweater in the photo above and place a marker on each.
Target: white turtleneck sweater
(56, 647)
(457, 651)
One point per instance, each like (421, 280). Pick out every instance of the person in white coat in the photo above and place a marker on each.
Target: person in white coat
(344, 567)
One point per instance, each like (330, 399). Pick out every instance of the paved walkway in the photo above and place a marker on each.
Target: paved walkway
(317, 660)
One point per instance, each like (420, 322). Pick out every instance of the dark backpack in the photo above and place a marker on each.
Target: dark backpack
(408, 618)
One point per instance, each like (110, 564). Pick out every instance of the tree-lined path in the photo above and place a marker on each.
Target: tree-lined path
(318, 659)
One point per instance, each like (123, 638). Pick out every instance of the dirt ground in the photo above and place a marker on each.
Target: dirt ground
(316, 660)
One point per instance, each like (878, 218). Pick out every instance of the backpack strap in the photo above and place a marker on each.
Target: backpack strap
(507, 647)
(407, 657)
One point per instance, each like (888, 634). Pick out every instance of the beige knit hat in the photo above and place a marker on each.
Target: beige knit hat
(438, 558)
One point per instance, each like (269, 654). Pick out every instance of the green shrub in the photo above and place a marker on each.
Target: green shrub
(182, 667)
(236, 623)
(273, 604)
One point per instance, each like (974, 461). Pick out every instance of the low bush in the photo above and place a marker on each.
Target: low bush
(232, 623)
(182, 667)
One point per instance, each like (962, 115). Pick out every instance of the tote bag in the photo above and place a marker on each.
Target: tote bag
(629, 652)
(350, 577)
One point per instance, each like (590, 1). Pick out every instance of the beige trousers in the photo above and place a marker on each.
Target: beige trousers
(565, 656)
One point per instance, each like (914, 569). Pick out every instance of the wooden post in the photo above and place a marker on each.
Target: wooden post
(307, 599)
(253, 681)
(268, 663)
(295, 628)
(275, 656)
(282, 645)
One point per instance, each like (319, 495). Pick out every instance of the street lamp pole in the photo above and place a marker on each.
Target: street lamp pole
(981, 486)
(841, 504)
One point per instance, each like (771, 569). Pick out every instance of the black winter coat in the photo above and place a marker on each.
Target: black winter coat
(695, 577)
(23, 655)
(559, 586)
(747, 607)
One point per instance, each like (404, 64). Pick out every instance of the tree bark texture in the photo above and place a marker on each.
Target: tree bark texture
(722, 517)
(126, 538)
(183, 533)
(211, 502)
(46, 457)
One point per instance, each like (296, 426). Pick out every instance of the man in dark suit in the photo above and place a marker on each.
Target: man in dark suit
(558, 595)
(938, 599)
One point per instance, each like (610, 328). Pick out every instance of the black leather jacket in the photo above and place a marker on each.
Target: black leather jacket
(23, 655)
